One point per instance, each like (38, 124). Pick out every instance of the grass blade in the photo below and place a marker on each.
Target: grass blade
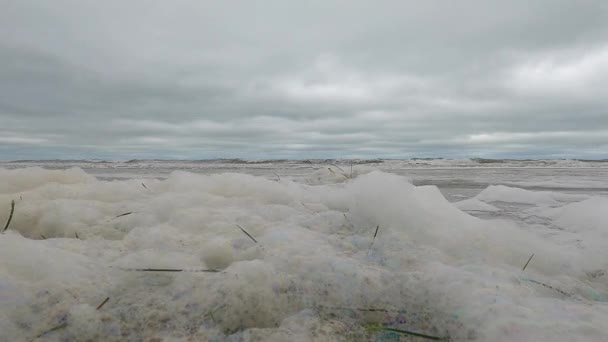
(526, 265)
(158, 270)
(339, 168)
(342, 308)
(168, 270)
(332, 171)
(376, 233)
(10, 216)
(103, 303)
(560, 291)
(406, 332)
(244, 231)
(125, 214)
(60, 326)
(373, 239)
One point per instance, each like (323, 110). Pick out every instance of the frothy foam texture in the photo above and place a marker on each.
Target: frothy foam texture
(237, 257)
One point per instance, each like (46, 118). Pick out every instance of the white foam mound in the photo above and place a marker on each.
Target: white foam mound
(567, 183)
(314, 271)
(502, 193)
(473, 204)
(33, 177)
(590, 215)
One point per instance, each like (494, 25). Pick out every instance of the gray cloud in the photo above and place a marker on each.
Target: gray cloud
(203, 79)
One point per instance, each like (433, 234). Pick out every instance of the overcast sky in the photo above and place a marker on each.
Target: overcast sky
(303, 79)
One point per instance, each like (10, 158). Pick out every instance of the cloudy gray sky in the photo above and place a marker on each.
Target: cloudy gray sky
(303, 79)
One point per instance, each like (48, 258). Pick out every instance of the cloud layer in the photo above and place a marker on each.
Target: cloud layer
(399, 79)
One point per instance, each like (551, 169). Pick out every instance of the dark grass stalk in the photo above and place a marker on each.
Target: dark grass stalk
(279, 177)
(360, 309)
(103, 303)
(60, 326)
(125, 214)
(144, 185)
(158, 270)
(43, 237)
(76, 234)
(212, 318)
(10, 216)
(244, 231)
(526, 265)
(560, 291)
(332, 171)
(336, 166)
(210, 313)
(406, 332)
(374, 238)
(168, 270)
